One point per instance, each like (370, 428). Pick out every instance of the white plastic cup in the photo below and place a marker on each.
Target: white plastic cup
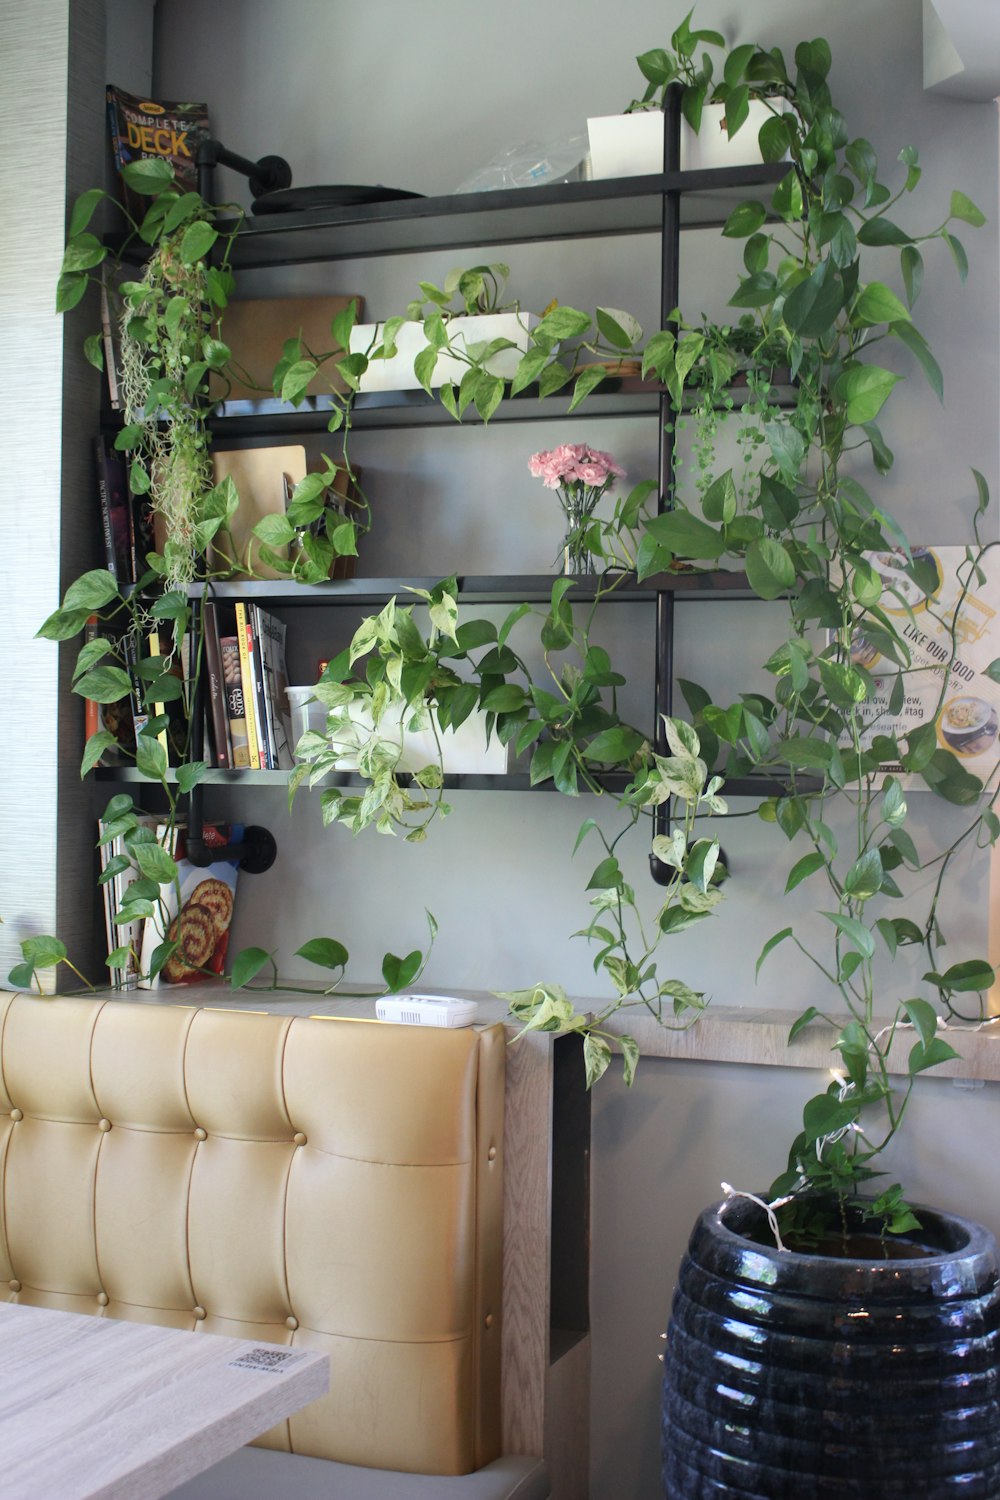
(306, 712)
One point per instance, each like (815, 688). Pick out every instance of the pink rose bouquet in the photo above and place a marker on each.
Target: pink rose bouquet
(581, 475)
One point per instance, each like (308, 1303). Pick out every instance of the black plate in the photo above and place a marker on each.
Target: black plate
(296, 200)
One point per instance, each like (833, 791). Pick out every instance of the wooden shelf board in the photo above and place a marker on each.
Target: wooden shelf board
(750, 1034)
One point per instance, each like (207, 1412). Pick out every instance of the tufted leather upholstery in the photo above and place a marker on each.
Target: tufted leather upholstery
(333, 1184)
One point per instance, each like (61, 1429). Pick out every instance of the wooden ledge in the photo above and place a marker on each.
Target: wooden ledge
(724, 1033)
(747, 1034)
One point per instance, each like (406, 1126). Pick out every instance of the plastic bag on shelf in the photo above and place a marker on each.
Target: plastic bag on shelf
(532, 163)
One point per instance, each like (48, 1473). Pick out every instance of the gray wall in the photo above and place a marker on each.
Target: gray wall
(418, 96)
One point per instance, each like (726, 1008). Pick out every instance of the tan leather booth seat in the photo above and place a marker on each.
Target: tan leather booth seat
(330, 1184)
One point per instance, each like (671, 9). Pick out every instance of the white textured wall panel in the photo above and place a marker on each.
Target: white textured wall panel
(34, 41)
(51, 145)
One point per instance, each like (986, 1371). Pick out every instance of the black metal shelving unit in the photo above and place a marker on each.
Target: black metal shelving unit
(667, 204)
(510, 216)
(534, 588)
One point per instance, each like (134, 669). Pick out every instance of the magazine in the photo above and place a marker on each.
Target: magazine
(141, 128)
(201, 927)
(121, 934)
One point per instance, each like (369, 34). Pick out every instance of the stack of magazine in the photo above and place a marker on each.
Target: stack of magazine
(194, 914)
(248, 719)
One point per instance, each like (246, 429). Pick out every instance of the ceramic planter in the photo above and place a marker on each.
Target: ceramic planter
(464, 749)
(626, 145)
(711, 147)
(632, 145)
(794, 1375)
(396, 374)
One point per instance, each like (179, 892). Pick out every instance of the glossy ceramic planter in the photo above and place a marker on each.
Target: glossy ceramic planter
(792, 1375)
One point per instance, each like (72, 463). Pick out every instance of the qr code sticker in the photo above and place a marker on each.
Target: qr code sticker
(268, 1359)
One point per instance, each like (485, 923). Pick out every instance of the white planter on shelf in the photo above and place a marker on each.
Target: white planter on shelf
(711, 147)
(305, 712)
(396, 374)
(464, 749)
(626, 145)
(632, 145)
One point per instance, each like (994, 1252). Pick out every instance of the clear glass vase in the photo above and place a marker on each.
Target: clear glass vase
(574, 556)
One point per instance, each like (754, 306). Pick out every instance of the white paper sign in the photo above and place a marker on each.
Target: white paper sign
(967, 718)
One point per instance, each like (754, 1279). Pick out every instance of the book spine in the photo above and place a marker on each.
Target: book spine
(104, 500)
(229, 650)
(159, 709)
(110, 349)
(217, 711)
(142, 539)
(257, 675)
(91, 712)
(140, 718)
(249, 689)
(277, 685)
(265, 715)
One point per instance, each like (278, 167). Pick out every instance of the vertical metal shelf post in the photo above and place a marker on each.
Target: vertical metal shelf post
(670, 232)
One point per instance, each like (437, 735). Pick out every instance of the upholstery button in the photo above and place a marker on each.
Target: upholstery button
(104, 1125)
(199, 1313)
(488, 1320)
(201, 1135)
(492, 1153)
(14, 1285)
(291, 1322)
(16, 1114)
(103, 1299)
(299, 1138)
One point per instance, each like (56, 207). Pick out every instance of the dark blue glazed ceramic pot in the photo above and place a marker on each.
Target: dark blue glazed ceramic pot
(810, 1375)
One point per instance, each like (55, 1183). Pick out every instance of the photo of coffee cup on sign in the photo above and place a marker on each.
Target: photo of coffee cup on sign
(968, 726)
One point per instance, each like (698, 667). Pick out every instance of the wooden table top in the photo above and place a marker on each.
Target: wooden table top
(93, 1408)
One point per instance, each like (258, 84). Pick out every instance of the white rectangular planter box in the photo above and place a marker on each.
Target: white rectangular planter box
(464, 749)
(626, 145)
(396, 374)
(632, 145)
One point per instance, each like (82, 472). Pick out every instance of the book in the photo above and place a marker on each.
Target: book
(122, 934)
(263, 477)
(260, 707)
(265, 727)
(271, 637)
(142, 129)
(116, 718)
(130, 653)
(232, 677)
(341, 496)
(256, 329)
(200, 923)
(141, 530)
(113, 497)
(249, 686)
(112, 310)
(216, 708)
(159, 643)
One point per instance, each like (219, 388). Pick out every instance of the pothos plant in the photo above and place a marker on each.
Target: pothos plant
(174, 371)
(808, 529)
(569, 725)
(804, 526)
(175, 366)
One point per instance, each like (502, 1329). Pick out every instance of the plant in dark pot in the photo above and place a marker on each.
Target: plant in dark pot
(826, 1337)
